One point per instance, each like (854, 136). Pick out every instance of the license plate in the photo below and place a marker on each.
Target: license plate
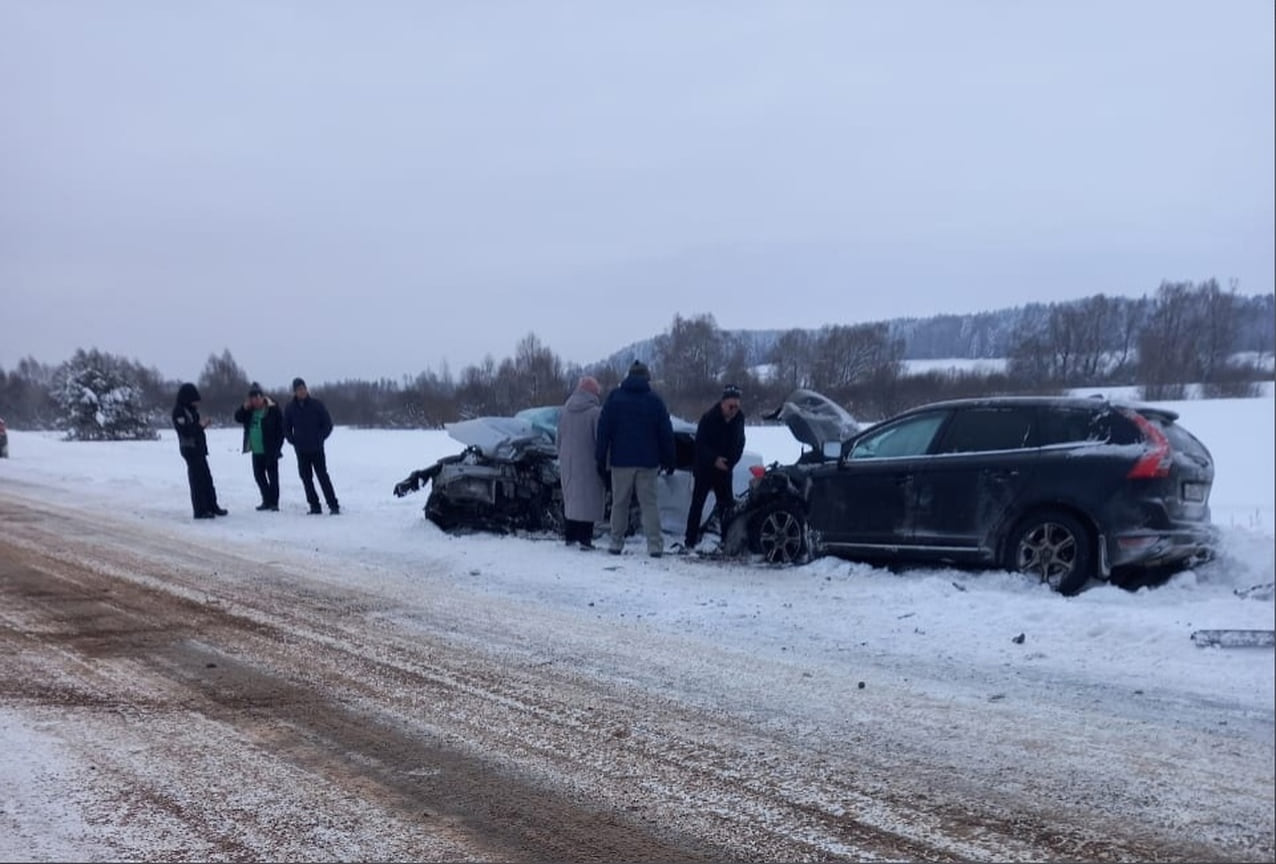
(1195, 491)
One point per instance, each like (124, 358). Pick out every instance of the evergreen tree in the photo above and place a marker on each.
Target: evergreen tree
(100, 399)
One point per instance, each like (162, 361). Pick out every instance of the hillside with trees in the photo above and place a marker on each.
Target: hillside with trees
(1185, 334)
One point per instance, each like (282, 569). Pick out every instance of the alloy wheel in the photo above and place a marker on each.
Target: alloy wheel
(1048, 550)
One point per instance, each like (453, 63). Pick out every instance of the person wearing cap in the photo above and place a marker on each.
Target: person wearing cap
(263, 424)
(719, 446)
(307, 425)
(635, 441)
(193, 444)
(584, 495)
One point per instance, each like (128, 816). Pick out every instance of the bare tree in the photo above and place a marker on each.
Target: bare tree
(846, 355)
(222, 384)
(1167, 355)
(792, 358)
(690, 357)
(539, 372)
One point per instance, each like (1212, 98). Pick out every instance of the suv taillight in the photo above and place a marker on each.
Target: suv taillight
(1158, 458)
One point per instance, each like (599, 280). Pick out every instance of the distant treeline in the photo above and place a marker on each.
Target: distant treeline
(1188, 333)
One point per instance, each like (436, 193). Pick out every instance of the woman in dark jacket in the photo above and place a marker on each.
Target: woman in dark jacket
(194, 449)
(263, 423)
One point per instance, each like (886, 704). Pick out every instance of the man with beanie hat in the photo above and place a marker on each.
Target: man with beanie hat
(263, 424)
(719, 446)
(635, 440)
(307, 425)
(193, 444)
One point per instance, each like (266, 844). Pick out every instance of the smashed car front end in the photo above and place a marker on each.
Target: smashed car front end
(505, 480)
(771, 519)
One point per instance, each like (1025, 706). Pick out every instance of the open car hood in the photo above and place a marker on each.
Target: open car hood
(500, 437)
(814, 419)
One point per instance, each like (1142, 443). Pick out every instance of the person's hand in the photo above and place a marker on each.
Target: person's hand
(668, 469)
(720, 463)
(206, 422)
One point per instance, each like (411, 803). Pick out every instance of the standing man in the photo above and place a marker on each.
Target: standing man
(263, 424)
(193, 444)
(719, 446)
(584, 497)
(635, 440)
(306, 426)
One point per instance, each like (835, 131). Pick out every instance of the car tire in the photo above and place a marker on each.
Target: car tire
(778, 533)
(1054, 546)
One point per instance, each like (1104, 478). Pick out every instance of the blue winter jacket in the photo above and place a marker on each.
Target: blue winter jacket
(306, 424)
(634, 429)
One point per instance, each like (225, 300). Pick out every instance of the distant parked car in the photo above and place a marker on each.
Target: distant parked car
(1062, 489)
(4, 440)
(506, 479)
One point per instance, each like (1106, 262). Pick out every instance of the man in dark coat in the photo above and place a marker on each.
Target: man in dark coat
(263, 424)
(193, 444)
(306, 426)
(635, 440)
(719, 446)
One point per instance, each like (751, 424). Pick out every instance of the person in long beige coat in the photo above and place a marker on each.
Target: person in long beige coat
(584, 496)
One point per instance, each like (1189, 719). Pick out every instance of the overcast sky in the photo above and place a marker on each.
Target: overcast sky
(366, 189)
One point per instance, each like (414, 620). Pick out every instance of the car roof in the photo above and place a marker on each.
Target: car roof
(1087, 402)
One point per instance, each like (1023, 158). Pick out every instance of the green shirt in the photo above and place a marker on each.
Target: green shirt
(256, 442)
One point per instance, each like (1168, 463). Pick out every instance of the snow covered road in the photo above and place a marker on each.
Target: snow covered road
(180, 693)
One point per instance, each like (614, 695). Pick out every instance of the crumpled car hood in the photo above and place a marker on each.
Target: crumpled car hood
(500, 437)
(814, 419)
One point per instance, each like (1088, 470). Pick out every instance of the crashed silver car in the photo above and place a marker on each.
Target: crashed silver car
(506, 479)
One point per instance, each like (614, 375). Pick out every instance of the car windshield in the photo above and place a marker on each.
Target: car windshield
(543, 418)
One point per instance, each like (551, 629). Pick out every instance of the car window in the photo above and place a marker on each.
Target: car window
(1180, 438)
(1073, 426)
(1067, 426)
(985, 428)
(908, 437)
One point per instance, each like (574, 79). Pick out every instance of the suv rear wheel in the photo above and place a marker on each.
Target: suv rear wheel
(1053, 546)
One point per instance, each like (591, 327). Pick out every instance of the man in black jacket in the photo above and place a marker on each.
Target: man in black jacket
(263, 424)
(719, 446)
(193, 444)
(306, 426)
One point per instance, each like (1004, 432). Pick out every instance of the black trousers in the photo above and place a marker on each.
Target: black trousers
(266, 473)
(578, 531)
(203, 494)
(717, 482)
(309, 466)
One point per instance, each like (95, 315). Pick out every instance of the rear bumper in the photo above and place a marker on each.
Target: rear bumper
(1154, 548)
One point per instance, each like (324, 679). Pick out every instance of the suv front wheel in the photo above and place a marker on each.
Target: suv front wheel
(779, 533)
(1053, 546)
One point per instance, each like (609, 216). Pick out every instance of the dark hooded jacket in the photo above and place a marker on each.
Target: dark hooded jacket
(716, 436)
(634, 430)
(190, 431)
(307, 424)
(272, 427)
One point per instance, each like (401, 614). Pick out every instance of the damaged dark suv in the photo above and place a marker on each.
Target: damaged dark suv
(1062, 489)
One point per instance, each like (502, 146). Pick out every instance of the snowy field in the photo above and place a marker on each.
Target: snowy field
(948, 628)
(146, 480)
